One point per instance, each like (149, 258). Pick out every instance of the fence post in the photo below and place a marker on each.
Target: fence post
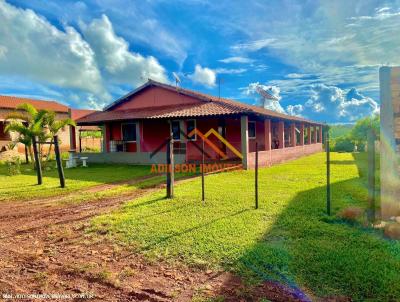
(170, 168)
(37, 161)
(371, 174)
(256, 176)
(328, 172)
(202, 173)
(59, 162)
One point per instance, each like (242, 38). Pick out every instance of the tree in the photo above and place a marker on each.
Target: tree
(27, 123)
(54, 126)
(360, 131)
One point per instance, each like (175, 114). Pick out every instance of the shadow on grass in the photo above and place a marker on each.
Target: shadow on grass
(306, 249)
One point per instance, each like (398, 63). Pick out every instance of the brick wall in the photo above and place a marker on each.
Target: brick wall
(272, 157)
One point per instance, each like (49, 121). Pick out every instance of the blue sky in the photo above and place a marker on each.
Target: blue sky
(320, 58)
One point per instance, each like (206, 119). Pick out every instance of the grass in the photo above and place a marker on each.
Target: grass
(288, 239)
(24, 186)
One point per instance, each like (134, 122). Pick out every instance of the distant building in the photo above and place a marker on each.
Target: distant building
(9, 104)
(390, 141)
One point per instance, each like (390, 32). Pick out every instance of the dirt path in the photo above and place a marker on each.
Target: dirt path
(45, 249)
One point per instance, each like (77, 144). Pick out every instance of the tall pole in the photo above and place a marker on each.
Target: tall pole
(59, 162)
(256, 176)
(328, 173)
(170, 168)
(371, 174)
(26, 155)
(37, 160)
(202, 173)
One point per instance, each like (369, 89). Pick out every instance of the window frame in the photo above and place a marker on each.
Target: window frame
(179, 123)
(122, 132)
(255, 129)
(194, 127)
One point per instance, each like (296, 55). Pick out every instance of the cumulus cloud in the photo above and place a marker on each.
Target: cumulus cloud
(237, 59)
(112, 53)
(295, 110)
(203, 75)
(333, 103)
(32, 47)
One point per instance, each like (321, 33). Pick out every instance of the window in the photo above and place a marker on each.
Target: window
(176, 130)
(191, 125)
(128, 132)
(252, 130)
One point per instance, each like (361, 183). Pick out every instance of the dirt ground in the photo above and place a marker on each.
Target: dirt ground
(45, 249)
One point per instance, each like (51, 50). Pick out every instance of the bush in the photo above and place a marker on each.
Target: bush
(343, 144)
(14, 166)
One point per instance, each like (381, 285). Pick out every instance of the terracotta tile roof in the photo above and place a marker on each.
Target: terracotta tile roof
(79, 113)
(11, 102)
(211, 106)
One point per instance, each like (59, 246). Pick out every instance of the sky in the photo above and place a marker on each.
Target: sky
(320, 59)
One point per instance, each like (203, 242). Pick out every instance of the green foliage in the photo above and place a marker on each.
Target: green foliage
(347, 139)
(343, 144)
(91, 134)
(13, 166)
(288, 239)
(336, 131)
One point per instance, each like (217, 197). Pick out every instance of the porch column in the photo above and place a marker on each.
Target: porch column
(244, 137)
(301, 134)
(315, 135)
(281, 134)
(320, 133)
(267, 134)
(138, 138)
(293, 136)
(72, 134)
(309, 134)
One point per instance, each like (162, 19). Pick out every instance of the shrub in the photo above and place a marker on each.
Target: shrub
(343, 144)
(14, 166)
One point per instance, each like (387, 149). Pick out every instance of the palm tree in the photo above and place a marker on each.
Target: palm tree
(27, 124)
(54, 126)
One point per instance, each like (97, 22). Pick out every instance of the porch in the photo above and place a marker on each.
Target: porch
(230, 139)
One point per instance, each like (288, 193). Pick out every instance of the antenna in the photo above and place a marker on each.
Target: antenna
(265, 94)
(177, 79)
(220, 81)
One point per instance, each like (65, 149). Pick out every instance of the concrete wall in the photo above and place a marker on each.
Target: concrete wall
(138, 158)
(390, 141)
(275, 156)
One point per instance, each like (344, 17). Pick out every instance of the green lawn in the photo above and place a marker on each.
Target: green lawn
(24, 186)
(288, 239)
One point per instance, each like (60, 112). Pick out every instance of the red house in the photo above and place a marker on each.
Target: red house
(137, 124)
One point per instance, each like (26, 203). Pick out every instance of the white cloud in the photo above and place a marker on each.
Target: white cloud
(295, 110)
(204, 76)
(253, 45)
(32, 47)
(296, 76)
(237, 59)
(333, 103)
(230, 70)
(112, 53)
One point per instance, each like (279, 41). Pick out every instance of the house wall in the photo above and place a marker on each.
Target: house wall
(155, 97)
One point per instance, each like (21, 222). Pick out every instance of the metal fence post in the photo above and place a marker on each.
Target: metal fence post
(170, 168)
(256, 176)
(371, 174)
(37, 161)
(59, 162)
(328, 173)
(202, 173)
